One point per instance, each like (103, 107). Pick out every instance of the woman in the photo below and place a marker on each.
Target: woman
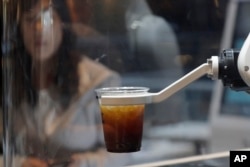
(57, 119)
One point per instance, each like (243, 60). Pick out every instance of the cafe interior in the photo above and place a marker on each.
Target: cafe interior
(126, 43)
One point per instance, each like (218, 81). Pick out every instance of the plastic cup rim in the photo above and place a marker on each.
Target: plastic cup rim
(121, 90)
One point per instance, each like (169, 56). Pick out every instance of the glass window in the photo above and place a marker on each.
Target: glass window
(56, 53)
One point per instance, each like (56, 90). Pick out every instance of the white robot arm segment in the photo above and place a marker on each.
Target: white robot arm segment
(232, 67)
(244, 61)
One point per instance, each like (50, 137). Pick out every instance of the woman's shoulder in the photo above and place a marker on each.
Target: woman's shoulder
(92, 74)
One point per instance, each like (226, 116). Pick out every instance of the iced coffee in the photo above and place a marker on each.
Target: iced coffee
(122, 125)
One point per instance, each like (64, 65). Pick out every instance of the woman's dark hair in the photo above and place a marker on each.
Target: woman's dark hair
(66, 79)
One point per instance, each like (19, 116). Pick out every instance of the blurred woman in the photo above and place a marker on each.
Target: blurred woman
(57, 118)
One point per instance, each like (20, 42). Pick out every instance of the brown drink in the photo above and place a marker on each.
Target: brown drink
(122, 124)
(123, 127)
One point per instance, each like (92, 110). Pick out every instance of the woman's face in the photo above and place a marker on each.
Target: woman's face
(41, 29)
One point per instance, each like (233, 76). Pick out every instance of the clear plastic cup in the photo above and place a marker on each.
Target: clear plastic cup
(122, 124)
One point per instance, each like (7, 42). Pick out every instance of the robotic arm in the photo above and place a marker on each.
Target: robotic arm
(232, 67)
(243, 63)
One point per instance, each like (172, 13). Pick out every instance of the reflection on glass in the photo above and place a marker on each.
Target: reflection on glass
(55, 118)
(51, 67)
